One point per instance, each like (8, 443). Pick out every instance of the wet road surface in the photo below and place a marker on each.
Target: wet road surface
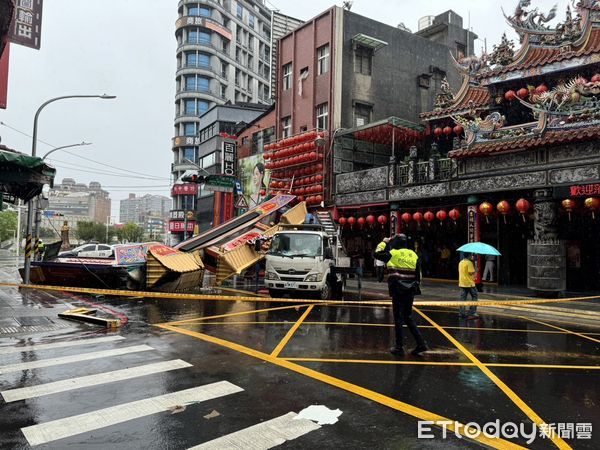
(180, 360)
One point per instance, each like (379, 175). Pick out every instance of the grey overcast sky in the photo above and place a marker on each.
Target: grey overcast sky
(127, 48)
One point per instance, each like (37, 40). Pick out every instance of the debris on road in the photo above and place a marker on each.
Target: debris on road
(88, 315)
(214, 413)
(320, 414)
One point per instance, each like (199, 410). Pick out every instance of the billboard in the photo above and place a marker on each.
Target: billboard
(254, 179)
(26, 28)
(4, 76)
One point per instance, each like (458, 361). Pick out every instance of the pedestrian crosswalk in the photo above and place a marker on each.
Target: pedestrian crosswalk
(85, 426)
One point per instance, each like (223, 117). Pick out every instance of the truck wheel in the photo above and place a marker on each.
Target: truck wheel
(325, 292)
(275, 293)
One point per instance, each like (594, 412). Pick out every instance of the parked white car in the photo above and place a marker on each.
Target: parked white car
(89, 251)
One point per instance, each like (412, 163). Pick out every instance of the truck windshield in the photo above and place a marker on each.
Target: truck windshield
(296, 244)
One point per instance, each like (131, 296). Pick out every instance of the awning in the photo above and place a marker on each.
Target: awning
(368, 41)
(23, 176)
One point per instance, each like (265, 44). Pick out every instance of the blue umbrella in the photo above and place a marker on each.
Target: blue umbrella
(480, 248)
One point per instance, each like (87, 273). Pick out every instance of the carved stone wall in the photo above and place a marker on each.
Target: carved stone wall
(419, 191)
(500, 162)
(500, 183)
(574, 174)
(364, 180)
(573, 152)
(361, 198)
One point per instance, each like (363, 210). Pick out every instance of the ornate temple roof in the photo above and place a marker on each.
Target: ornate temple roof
(548, 138)
(468, 99)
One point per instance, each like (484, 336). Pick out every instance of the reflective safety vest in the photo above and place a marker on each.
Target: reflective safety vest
(380, 247)
(403, 264)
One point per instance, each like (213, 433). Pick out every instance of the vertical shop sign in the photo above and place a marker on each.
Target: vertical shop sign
(4, 76)
(26, 27)
(228, 158)
(394, 222)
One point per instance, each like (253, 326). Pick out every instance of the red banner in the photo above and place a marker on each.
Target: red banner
(4, 76)
(185, 189)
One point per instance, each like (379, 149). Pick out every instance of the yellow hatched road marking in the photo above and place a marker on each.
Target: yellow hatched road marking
(291, 332)
(441, 363)
(558, 441)
(398, 405)
(241, 313)
(561, 329)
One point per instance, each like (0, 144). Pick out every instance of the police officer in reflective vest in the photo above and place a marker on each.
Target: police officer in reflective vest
(404, 277)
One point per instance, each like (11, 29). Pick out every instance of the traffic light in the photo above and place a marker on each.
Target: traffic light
(195, 178)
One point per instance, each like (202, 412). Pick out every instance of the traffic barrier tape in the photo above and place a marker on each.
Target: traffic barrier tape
(231, 298)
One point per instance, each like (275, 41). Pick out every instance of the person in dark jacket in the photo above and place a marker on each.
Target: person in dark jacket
(404, 278)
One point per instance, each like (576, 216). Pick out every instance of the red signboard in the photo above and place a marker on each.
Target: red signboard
(179, 226)
(185, 189)
(241, 240)
(162, 250)
(584, 190)
(4, 76)
(26, 28)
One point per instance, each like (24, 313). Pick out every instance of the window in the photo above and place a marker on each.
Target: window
(196, 83)
(202, 107)
(322, 115)
(362, 114)
(191, 59)
(190, 107)
(251, 20)
(323, 59)
(189, 129)
(363, 57)
(199, 11)
(194, 59)
(208, 161)
(223, 91)
(286, 124)
(287, 76)
(224, 69)
(240, 11)
(189, 153)
(198, 37)
(203, 60)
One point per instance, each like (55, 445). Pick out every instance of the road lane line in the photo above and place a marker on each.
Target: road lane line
(352, 388)
(558, 441)
(72, 358)
(262, 436)
(36, 347)
(559, 328)
(95, 420)
(39, 390)
(291, 332)
(241, 313)
(442, 363)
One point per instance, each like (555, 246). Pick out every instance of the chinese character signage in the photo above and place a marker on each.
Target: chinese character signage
(4, 76)
(577, 190)
(178, 226)
(472, 225)
(219, 183)
(26, 28)
(185, 189)
(186, 140)
(177, 214)
(228, 158)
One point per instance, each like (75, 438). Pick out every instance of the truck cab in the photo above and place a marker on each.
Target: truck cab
(301, 262)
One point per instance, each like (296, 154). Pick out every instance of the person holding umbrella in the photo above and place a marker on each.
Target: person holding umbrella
(467, 274)
(466, 283)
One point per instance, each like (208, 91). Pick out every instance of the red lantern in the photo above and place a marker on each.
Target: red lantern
(319, 178)
(351, 221)
(596, 78)
(361, 221)
(438, 131)
(522, 206)
(406, 217)
(522, 93)
(454, 214)
(263, 192)
(458, 129)
(541, 89)
(370, 219)
(441, 215)
(447, 131)
(486, 209)
(342, 221)
(510, 95)
(418, 217)
(383, 219)
(503, 208)
(568, 205)
(429, 217)
(592, 203)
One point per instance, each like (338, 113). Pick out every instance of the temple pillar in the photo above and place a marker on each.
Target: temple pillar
(546, 254)
(412, 165)
(434, 163)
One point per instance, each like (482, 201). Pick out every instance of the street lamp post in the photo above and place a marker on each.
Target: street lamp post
(38, 209)
(30, 205)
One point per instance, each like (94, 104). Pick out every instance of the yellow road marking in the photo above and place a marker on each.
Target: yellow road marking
(241, 313)
(561, 329)
(291, 332)
(558, 441)
(170, 295)
(441, 363)
(398, 405)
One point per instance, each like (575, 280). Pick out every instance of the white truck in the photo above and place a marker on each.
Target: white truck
(307, 260)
